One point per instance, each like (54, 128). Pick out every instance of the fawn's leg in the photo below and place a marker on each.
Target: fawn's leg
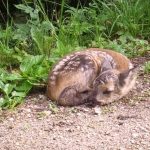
(71, 97)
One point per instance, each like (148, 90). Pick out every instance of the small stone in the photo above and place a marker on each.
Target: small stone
(85, 110)
(29, 115)
(78, 114)
(11, 119)
(68, 121)
(78, 128)
(114, 108)
(97, 111)
(107, 133)
(135, 135)
(69, 130)
(132, 141)
(47, 113)
(122, 148)
(28, 110)
(101, 120)
(42, 96)
(17, 143)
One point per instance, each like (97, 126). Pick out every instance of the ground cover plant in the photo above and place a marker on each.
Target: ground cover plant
(30, 48)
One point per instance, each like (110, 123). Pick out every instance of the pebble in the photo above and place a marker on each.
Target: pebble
(143, 129)
(135, 135)
(101, 120)
(28, 110)
(78, 114)
(17, 143)
(122, 148)
(11, 119)
(132, 141)
(42, 96)
(47, 113)
(29, 115)
(97, 111)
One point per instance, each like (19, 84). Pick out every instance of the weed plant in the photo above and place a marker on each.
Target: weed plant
(28, 50)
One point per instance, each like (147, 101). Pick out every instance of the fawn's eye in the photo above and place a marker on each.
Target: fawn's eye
(107, 92)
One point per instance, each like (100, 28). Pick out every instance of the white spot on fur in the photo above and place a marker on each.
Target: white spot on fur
(71, 62)
(68, 57)
(130, 66)
(57, 67)
(61, 63)
(90, 62)
(75, 64)
(52, 83)
(55, 73)
(87, 58)
(82, 69)
(53, 77)
(64, 60)
(86, 66)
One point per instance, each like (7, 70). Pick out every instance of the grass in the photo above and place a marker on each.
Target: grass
(106, 110)
(53, 108)
(147, 68)
(123, 26)
(72, 110)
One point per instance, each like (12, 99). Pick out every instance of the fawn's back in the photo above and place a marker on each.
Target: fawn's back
(91, 75)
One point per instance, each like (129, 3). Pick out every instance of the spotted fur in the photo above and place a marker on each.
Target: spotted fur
(91, 75)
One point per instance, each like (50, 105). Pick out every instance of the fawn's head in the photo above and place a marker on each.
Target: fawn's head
(111, 85)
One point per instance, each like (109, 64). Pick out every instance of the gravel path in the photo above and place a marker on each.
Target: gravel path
(39, 124)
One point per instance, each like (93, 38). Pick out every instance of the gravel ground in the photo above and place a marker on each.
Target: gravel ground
(38, 124)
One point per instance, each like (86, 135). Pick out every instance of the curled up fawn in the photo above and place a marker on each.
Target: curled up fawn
(93, 75)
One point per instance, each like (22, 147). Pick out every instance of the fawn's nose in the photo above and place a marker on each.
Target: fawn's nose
(92, 100)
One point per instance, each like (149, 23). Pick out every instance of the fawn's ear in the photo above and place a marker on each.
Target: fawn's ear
(106, 66)
(128, 76)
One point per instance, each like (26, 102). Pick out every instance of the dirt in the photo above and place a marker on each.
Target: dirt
(41, 124)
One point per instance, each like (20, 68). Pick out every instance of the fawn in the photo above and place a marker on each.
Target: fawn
(93, 75)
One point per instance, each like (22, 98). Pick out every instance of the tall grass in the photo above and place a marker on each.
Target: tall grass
(124, 16)
(75, 28)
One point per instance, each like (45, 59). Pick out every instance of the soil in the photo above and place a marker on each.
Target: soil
(39, 124)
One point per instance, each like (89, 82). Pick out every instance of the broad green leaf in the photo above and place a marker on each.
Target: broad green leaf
(34, 81)
(18, 94)
(101, 28)
(39, 70)
(4, 76)
(2, 70)
(38, 38)
(123, 39)
(35, 14)
(27, 65)
(5, 103)
(23, 85)
(47, 42)
(38, 59)
(1, 85)
(19, 58)
(8, 88)
(24, 28)
(26, 9)
(1, 102)
(16, 101)
(46, 25)
(15, 76)
(44, 77)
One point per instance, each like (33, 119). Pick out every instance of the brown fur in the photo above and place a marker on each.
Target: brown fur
(91, 75)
